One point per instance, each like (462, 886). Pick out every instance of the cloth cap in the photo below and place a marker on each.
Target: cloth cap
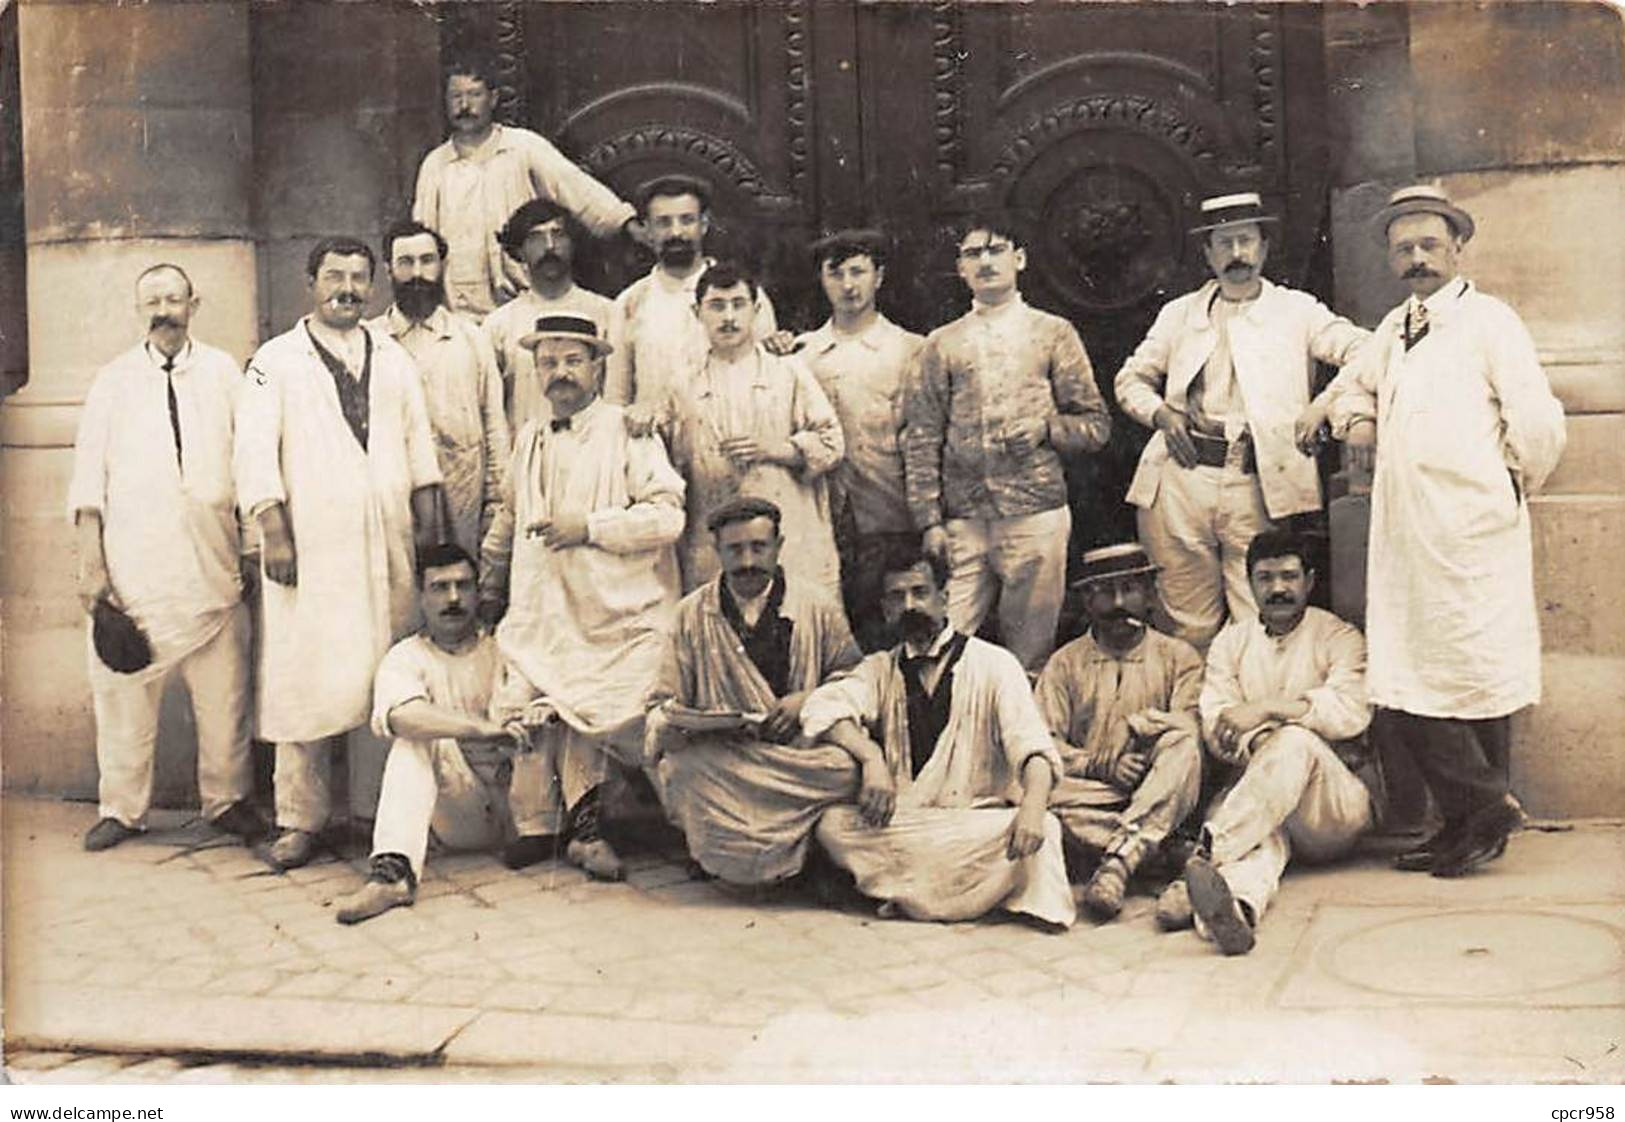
(120, 642)
(1422, 198)
(1231, 210)
(579, 328)
(1126, 559)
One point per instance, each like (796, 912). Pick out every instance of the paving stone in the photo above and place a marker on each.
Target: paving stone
(599, 1000)
(316, 983)
(383, 987)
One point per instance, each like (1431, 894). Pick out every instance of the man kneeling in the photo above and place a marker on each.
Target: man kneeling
(447, 768)
(1121, 703)
(951, 820)
(1280, 691)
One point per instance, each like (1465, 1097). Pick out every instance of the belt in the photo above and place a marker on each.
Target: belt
(1214, 451)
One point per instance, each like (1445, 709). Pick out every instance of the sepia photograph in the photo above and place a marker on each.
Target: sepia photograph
(820, 542)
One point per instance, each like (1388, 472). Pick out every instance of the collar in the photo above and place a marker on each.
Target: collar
(997, 311)
(1297, 628)
(439, 322)
(183, 357)
(1444, 296)
(687, 284)
(1208, 295)
(580, 421)
(496, 142)
(938, 645)
(827, 337)
(1098, 653)
(772, 600)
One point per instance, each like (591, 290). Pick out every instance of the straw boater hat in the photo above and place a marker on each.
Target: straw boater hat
(579, 328)
(1422, 198)
(1113, 561)
(1229, 210)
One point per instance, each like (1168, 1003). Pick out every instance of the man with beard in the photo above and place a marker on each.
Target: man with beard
(1451, 394)
(461, 386)
(1121, 704)
(581, 551)
(158, 538)
(658, 342)
(1002, 396)
(335, 465)
(450, 766)
(541, 236)
(862, 359)
(956, 767)
(1222, 376)
(752, 643)
(468, 186)
(1282, 689)
(750, 422)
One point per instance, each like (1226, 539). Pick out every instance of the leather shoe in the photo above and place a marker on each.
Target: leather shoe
(1420, 857)
(374, 898)
(596, 857)
(1174, 911)
(1483, 838)
(1103, 895)
(243, 820)
(106, 834)
(530, 849)
(1211, 899)
(292, 850)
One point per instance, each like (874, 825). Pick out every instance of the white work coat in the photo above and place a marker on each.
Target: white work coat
(1273, 345)
(1467, 429)
(351, 513)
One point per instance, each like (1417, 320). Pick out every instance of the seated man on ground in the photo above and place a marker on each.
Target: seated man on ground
(448, 769)
(957, 765)
(754, 644)
(1281, 691)
(1121, 704)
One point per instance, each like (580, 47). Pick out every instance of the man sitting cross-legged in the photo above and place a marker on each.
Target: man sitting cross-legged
(447, 772)
(1121, 703)
(957, 766)
(750, 642)
(1281, 690)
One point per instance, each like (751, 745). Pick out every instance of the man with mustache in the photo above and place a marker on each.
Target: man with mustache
(542, 236)
(1121, 704)
(861, 360)
(1222, 378)
(658, 342)
(1451, 402)
(152, 500)
(451, 768)
(336, 467)
(752, 642)
(580, 552)
(461, 386)
(747, 421)
(1283, 691)
(955, 762)
(469, 185)
(1000, 399)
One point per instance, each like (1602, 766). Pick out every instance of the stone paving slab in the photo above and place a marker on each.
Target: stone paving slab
(180, 944)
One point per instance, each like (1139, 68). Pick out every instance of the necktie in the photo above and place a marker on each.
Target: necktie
(174, 407)
(1416, 324)
(560, 424)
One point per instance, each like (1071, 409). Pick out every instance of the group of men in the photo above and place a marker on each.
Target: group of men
(545, 541)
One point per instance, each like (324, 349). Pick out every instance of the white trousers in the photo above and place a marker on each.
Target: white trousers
(1296, 798)
(126, 707)
(1020, 562)
(1197, 531)
(564, 765)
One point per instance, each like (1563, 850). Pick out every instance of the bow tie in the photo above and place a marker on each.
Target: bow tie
(560, 424)
(916, 665)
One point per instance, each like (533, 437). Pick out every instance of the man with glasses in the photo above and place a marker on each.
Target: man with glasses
(999, 398)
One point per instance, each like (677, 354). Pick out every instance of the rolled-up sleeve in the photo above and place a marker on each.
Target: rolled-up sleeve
(852, 697)
(398, 680)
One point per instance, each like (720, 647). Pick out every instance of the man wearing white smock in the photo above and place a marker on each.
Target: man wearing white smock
(336, 466)
(658, 343)
(469, 185)
(1450, 397)
(581, 552)
(152, 498)
(461, 387)
(956, 766)
(1222, 378)
(749, 422)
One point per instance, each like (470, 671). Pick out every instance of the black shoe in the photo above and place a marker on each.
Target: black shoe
(106, 834)
(242, 820)
(530, 849)
(1483, 839)
(1212, 900)
(1421, 856)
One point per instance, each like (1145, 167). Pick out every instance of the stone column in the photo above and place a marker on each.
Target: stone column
(136, 137)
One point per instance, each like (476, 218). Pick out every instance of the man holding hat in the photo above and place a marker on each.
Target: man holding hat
(1120, 702)
(581, 551)
(152, 499)
(1451, 401)
(1222, 377)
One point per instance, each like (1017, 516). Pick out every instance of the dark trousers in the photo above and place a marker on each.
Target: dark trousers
(1463, 762)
